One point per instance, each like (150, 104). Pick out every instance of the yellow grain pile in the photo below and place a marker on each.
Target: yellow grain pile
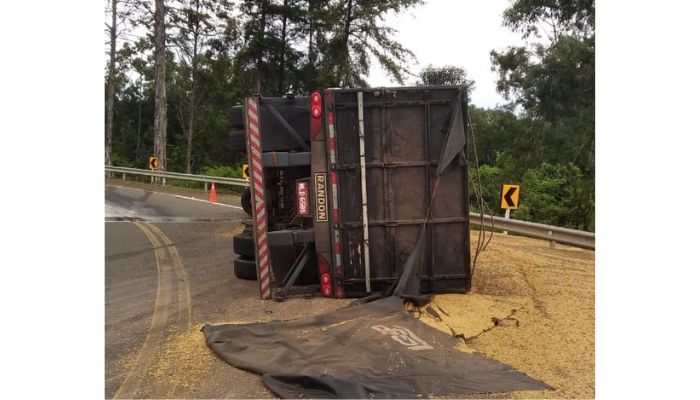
(531, 307)
(182, 361)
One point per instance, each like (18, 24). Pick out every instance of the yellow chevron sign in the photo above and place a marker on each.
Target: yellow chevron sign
(510, 195)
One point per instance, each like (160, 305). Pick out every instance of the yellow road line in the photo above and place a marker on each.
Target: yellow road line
(133, 379)
(183, 286)
(170, 271)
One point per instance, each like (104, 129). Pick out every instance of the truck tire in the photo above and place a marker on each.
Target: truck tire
(244, 268)
(243, 244)
(246, 202)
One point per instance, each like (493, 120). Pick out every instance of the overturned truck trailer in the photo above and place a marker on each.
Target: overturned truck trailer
(347, 184)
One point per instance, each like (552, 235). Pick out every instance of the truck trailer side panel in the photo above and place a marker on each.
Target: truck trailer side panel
(405, 130)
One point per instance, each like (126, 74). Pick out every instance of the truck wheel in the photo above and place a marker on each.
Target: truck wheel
(244, 268)
(243, 244)
(246, 202)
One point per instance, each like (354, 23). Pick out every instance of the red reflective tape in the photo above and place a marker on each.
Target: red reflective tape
(336, 214)
(337, 247)
(252, 104)
(254, 120)
(331, 144)
(258, 188)
(334, 178)
(259, 194)
(330, 118)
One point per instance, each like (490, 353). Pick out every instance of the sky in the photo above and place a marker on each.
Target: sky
(454, 32)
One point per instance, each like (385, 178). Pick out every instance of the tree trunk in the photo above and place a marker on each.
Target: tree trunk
(281, 88)
(111, 84)
(160, 122)
(261, 38)
(193, 95)
(311, 42)
(345, 76)
(138, 125)
(348, 16)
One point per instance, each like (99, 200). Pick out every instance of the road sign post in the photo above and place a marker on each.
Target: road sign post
(507, 217)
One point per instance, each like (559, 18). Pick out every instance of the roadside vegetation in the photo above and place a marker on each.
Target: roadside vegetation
(216, 52)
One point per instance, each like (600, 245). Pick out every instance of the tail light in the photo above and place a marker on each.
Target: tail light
(316, 112)
(325, 274)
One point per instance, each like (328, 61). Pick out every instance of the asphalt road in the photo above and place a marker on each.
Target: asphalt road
(168, 271)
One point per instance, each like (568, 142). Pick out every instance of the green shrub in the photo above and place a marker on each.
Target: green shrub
(223, 171)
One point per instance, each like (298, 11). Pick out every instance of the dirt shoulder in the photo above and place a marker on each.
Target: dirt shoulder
(531, 307)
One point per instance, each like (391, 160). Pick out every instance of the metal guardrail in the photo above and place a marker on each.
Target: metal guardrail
(176, 175)
(554, 234)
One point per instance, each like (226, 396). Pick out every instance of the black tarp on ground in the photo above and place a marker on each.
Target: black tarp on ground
(373, 350)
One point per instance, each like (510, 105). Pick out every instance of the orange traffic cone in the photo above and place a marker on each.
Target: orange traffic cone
(212, 193)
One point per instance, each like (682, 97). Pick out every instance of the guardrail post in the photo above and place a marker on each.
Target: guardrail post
(123, 177)
(205, 186)
(162, 180)
(552, 243)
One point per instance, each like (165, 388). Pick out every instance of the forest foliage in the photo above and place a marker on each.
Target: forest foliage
(219, 51)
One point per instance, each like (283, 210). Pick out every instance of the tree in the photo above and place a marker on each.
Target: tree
(197, 24)
(119, 18)
(161, 105)
(355, 34)
(110, 82)
(554, 83)
(555, 195)
(447, 75)
(553, 18)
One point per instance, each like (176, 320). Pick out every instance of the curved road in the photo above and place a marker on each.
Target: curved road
(168, 271)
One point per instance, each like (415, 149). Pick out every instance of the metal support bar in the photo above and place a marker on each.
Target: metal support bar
(405, 103)
(293, 133)
(294, 272)
(402, 222)
(395, 164)
(363, 178)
